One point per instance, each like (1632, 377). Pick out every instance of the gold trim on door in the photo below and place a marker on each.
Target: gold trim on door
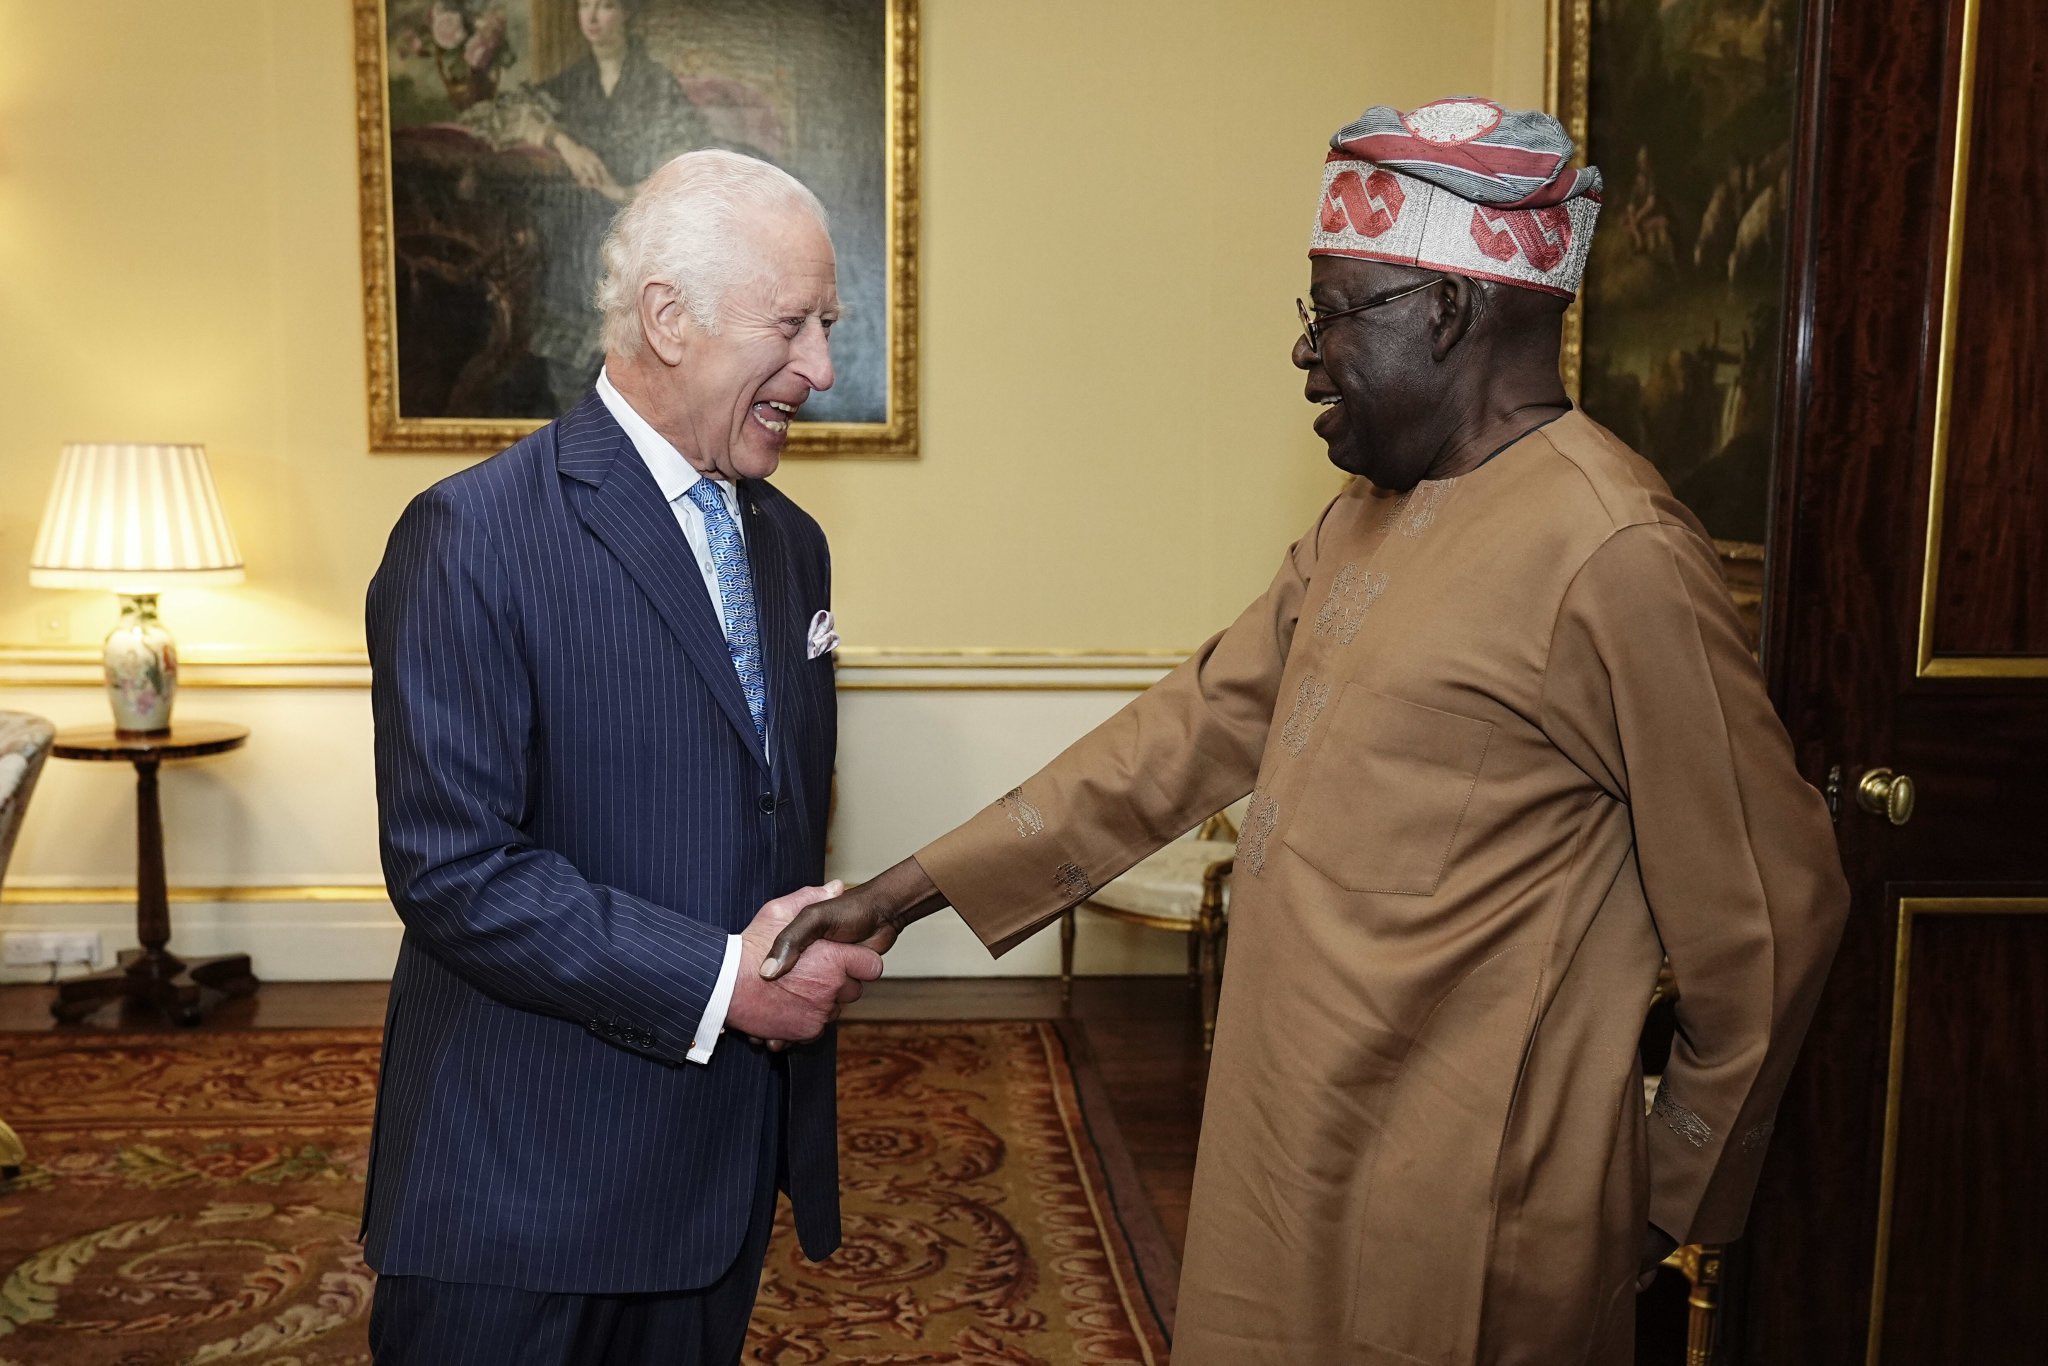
(1926, 663)
(1911, 907)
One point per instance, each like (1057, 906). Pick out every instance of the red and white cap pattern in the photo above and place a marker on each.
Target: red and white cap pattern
(1463, 186)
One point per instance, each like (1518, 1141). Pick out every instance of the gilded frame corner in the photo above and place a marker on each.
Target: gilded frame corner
(391, 432)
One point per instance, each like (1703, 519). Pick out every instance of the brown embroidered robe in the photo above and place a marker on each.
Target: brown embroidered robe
(1507, 747)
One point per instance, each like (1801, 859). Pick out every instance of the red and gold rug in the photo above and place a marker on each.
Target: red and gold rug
(193, 1198)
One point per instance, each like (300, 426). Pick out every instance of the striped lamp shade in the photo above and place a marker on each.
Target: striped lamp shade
(136, 518)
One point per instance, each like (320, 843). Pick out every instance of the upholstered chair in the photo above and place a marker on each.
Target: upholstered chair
(1184, 888)
(24, 744)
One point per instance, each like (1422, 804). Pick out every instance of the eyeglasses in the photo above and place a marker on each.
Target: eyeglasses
(1313, 323)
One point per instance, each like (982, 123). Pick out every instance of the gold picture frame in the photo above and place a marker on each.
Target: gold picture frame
(875, 347)
(1566, 77)
(1570, 77)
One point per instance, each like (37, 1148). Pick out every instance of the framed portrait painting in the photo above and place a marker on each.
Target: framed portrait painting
(498, 139)
(1688, 109)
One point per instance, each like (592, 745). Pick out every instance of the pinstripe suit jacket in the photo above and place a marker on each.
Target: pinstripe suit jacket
(575, 811)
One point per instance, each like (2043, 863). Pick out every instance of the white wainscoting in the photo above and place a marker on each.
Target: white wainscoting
(272, 849)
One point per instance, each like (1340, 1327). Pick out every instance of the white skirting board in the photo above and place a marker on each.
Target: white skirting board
(287, 825)
(321, 941)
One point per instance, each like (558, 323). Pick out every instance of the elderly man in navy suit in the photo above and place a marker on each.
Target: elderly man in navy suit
(604, 735)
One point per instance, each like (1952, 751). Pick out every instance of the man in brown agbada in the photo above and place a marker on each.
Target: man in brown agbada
(1507, 748)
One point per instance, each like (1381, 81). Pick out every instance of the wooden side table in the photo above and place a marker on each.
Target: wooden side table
(152, 973)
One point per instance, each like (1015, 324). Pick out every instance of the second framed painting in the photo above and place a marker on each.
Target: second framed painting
(498, 138)
(1687, 108)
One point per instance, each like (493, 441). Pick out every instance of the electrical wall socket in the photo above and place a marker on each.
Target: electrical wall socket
(37, 948)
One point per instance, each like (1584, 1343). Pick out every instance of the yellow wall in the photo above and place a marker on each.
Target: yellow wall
(1116, 194)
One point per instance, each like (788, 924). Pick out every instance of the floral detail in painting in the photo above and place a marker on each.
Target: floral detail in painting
(466, 43)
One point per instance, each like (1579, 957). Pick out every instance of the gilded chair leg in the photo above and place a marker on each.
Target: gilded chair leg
(1205, 937)
(12, 1153)
(1702, 1268)
(1067, 957)
(1195, 956)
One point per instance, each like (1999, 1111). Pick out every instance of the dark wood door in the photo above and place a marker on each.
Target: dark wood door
(1903, 1214)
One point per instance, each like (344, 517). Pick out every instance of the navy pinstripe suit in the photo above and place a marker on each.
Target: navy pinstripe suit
(575, 812)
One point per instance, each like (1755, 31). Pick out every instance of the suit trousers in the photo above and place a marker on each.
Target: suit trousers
(420, 1321)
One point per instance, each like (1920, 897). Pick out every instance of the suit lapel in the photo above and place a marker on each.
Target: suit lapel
(768, 559)
(617, 498)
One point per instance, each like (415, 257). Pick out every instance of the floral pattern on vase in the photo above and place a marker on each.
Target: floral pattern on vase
(142, 667)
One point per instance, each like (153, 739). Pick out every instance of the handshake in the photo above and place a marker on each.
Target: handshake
(806, 956)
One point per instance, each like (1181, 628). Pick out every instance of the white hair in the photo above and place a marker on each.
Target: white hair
(687, 228)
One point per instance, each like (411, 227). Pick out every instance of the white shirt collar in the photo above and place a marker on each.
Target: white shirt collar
(673, 474)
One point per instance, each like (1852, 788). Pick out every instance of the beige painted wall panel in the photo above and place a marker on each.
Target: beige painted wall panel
(1115, 202)
(1116, 451)
(297, 804)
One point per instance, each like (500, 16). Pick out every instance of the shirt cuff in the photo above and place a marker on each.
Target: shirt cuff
(713, 1023)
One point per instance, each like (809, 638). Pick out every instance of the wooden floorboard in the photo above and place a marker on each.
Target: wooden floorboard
(1140, 1032)
(278, 1005)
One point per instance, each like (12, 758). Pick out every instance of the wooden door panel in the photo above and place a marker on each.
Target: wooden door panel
(1961, 1262)
(1976, 757)
(1992, 470)
(1907, 627)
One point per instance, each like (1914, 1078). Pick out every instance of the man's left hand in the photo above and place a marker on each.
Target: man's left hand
(795, 1008)
(872, 914)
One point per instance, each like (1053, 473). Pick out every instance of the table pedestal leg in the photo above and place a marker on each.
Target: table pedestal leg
(153, 974)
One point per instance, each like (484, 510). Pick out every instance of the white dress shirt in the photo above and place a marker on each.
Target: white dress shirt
(675, 476)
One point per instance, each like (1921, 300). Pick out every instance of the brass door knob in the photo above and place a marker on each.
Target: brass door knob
(1884, 793)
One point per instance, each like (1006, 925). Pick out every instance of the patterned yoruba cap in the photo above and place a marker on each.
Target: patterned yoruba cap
(1464, 186)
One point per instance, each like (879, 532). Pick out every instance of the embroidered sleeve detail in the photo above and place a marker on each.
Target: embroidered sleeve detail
(1758, 1136)
(1022, 814)
(1682, 1121)
(1259, 819)
(1352, 595)
(1074, 884)
(1309, 700)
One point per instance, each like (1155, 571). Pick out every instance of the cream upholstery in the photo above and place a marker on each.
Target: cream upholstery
(24, 744)
(1184, 887)
(1168, 885)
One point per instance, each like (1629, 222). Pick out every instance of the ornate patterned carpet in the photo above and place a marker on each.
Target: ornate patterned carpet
(193, 1198)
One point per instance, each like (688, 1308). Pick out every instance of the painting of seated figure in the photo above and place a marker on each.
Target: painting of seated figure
(500, 137)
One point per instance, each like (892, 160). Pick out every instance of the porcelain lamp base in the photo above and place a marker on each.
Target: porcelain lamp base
(142, 668)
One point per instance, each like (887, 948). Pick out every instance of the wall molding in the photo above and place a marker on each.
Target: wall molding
(937, 668)
(27, 892)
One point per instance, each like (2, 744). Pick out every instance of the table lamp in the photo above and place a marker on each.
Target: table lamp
(137, 518)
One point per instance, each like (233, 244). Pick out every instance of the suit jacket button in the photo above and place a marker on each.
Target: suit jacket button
(767, 803)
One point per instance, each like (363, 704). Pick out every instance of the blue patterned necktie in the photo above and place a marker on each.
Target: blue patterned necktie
(736, 588)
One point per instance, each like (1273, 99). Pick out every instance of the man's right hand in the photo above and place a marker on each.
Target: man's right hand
(799, 1004)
